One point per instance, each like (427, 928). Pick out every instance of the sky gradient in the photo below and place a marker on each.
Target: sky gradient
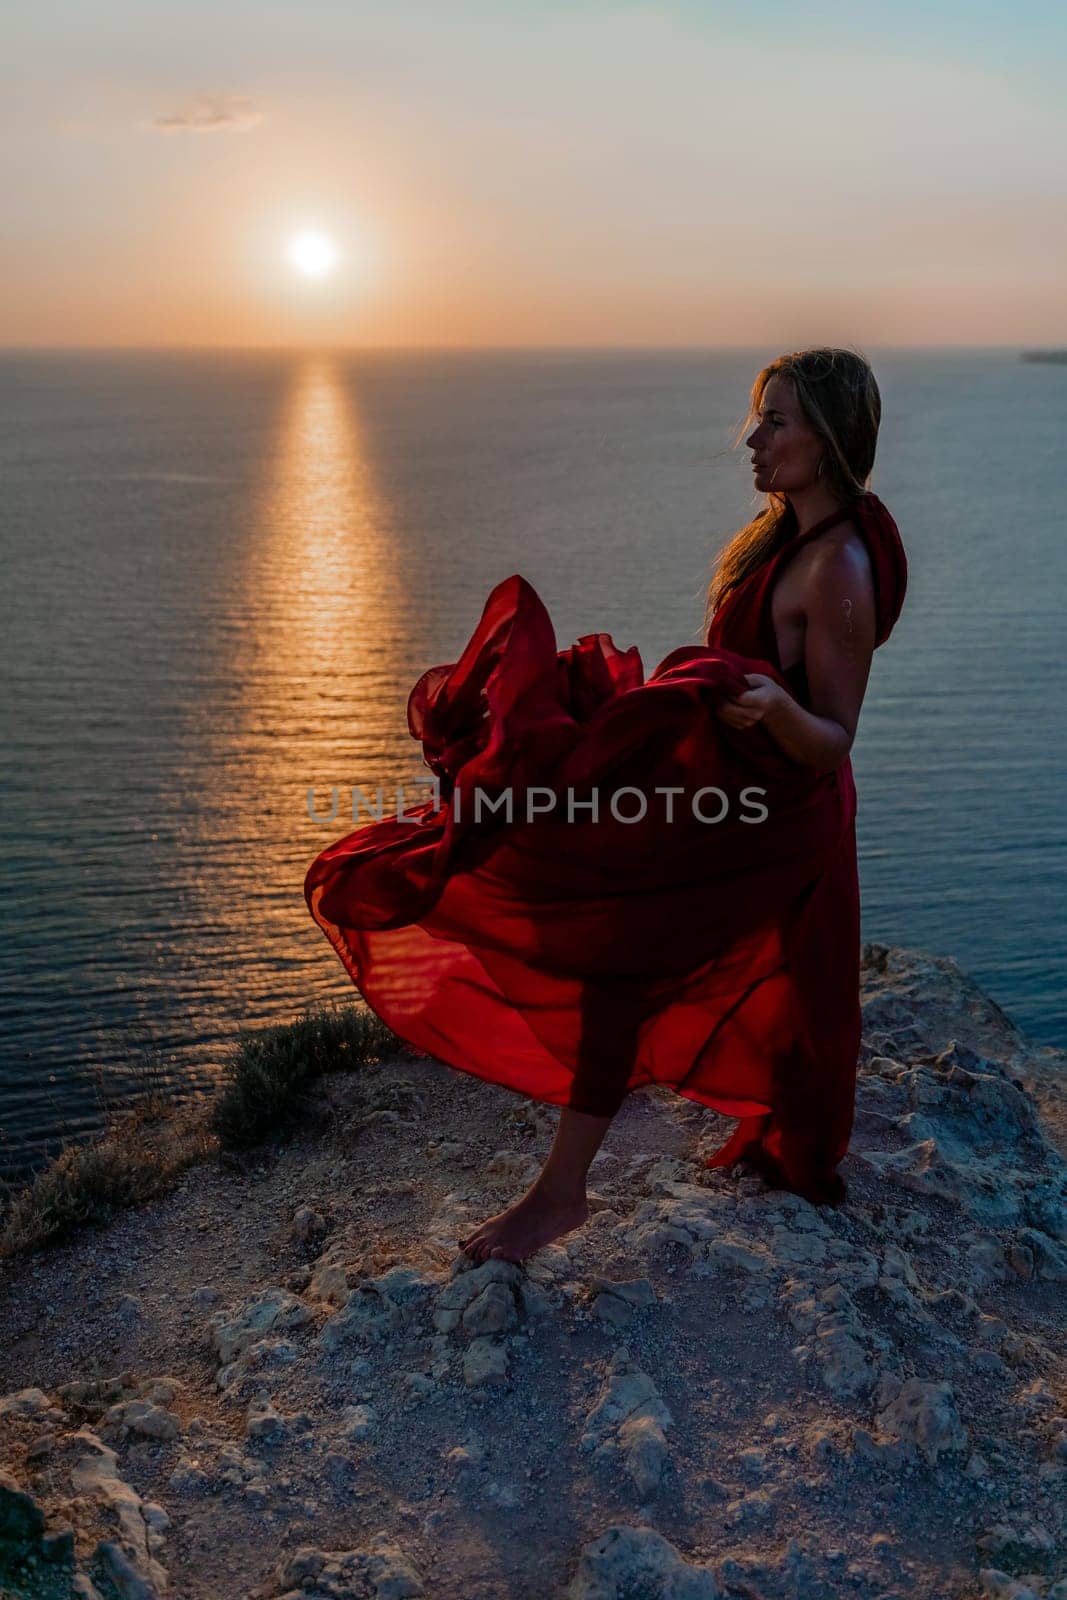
(672, 174)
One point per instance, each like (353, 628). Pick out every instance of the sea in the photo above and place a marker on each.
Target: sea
(222, 573)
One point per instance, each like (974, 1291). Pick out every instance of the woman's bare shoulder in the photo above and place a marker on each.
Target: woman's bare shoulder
(837, 569)
(840, 549)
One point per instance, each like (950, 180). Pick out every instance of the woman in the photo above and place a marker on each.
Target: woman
(575, 956)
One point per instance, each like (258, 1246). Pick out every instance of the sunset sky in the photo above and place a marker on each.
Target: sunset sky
(496, 173)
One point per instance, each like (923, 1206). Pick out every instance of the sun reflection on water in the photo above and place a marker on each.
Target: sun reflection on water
(320, 679)
(321, 578)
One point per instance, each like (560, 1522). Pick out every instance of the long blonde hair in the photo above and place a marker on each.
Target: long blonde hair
(838, 396)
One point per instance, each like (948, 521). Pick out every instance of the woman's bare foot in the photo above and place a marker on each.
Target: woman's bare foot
(530, 1223)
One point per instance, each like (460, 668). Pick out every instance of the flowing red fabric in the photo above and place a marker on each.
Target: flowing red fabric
(575, 956)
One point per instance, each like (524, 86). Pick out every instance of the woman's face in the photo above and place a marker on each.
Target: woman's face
(786, 451)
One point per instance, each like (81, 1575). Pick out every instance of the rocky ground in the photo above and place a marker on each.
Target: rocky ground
(288, 1381)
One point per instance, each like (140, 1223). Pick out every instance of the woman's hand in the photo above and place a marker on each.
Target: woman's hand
(760, 700)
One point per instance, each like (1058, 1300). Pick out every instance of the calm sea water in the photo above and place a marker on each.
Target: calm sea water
(223, 573)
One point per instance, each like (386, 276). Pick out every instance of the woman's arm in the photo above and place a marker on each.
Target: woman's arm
(838, 647)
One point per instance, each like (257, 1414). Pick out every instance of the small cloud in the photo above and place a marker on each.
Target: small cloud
(212, 113)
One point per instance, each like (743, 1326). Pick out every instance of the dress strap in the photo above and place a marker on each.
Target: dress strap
(842, 514)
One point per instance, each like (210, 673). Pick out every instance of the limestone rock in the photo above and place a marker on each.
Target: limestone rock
(95, 1475)
(272, 1308)
(380, 1570)
(1048, 1255)
(971, 1125)
(93, 1396)
(265, 1424)
(330, 1273)
(367, 1317)
(26, 1542)
(234, 1467)
(617, 1302)
(636, 1292)
(643, 1446)
(613, 1311)
(263, 1357)
(627, 1421)
(485, 1363)
(1018, 1543)
(625, 1562)
(730, 1253)
(188, 1475)
(124, 1572)
(750, 1511)
(308, 1225)
(837, 1339)
(985, 1258)
(378, 1307)
(795, 1572)
(492, 1311)
(687, 1215)
(83, 1588)
(406, 1286)
(514, 1298)
(142, 1418)
(25, 1403)
(753, 1462)
(923, 1415)
(160, 1391)
(997, 1585)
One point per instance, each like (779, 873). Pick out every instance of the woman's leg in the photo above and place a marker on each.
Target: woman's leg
(555, 1202)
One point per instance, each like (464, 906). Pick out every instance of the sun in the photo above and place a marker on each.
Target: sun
(312, 254)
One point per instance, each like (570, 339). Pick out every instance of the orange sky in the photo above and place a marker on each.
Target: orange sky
(599, 174)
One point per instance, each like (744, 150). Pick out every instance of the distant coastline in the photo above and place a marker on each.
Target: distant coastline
(1058, 356)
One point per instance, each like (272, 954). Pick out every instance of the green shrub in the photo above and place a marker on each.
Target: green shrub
(151, 1139)
(138, 1158)
(270, 1072)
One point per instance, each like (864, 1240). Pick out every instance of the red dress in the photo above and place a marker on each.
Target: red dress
(587, 946)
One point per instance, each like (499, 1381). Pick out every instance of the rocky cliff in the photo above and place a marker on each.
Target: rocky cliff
(287, 1381)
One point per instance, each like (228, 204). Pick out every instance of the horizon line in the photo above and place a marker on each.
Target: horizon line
(429, 349)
